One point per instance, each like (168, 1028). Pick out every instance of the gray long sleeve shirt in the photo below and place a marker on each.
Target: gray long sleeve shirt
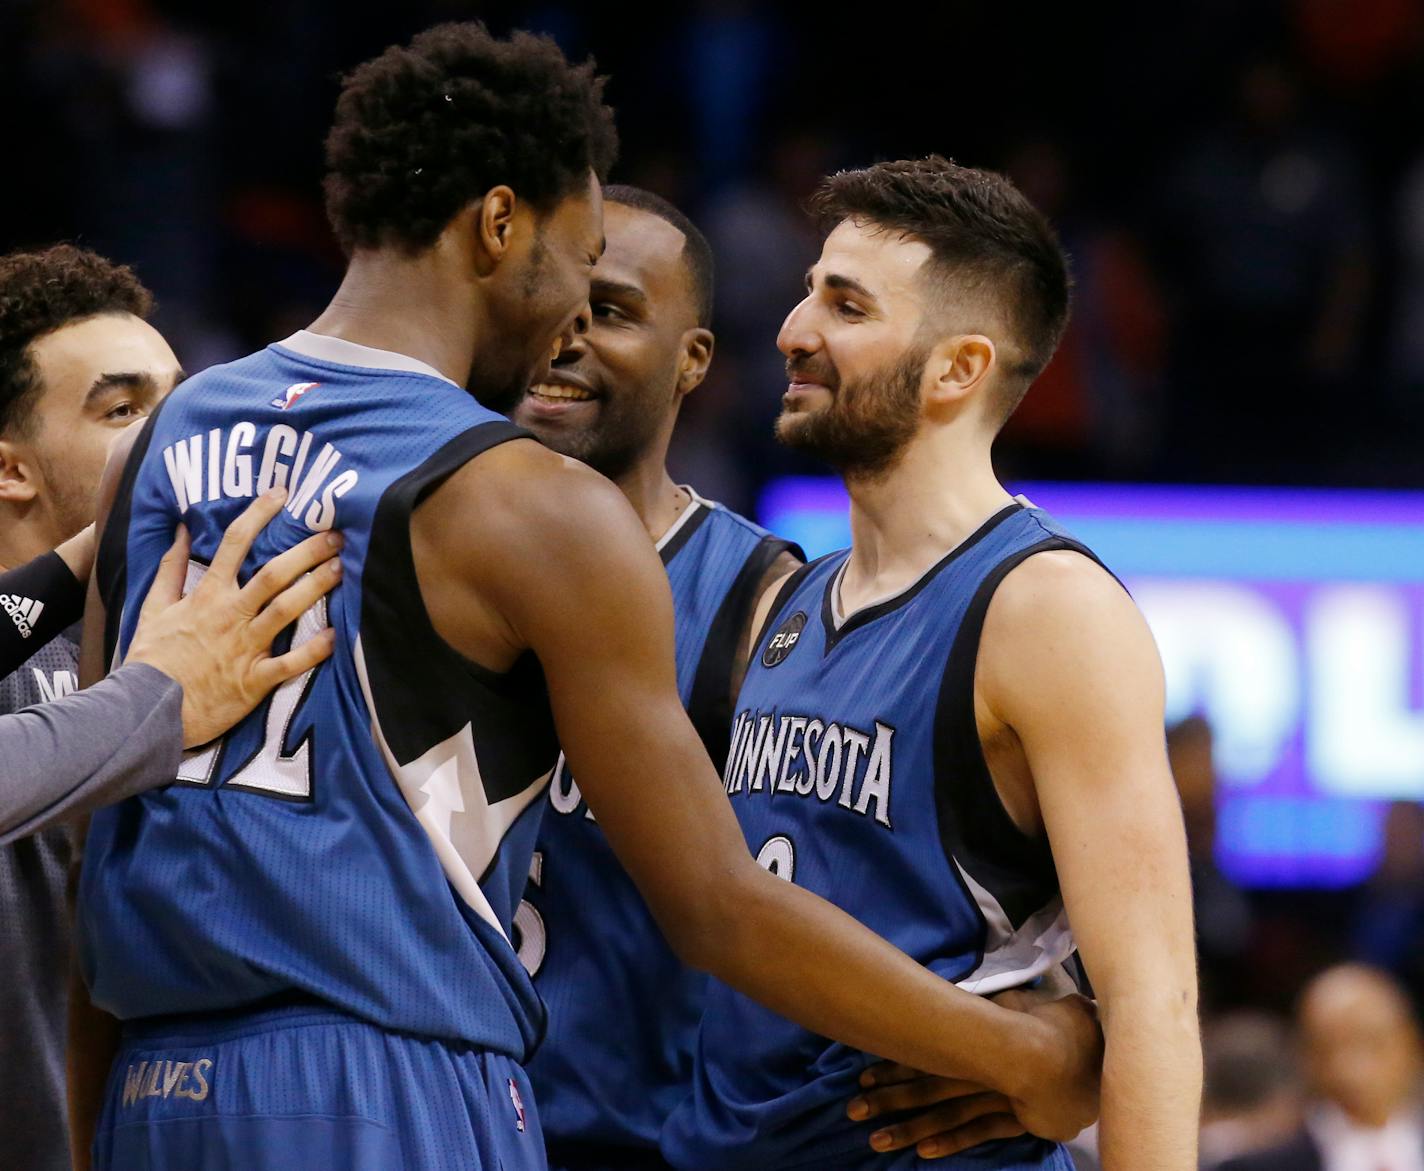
(91, 748)
(62, 752)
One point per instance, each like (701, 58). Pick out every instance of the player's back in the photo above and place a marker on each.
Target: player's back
(856, 771)
(596, 953)
(362, 838)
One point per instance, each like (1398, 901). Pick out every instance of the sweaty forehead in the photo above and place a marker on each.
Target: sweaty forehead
(885, 262)
(644, 251)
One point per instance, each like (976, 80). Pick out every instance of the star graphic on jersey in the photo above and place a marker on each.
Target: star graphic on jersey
(443, 789)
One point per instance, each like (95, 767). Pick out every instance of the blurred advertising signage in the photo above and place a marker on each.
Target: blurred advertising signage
(1292, 619)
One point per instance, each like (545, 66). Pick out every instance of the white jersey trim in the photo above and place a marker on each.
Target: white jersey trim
(695, 504)
(340, 352)
(1012, 957)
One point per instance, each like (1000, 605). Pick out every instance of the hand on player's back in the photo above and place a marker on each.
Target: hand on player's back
(955, 1115)
(217, 640)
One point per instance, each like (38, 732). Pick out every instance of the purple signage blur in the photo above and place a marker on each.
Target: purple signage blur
(1293, 620)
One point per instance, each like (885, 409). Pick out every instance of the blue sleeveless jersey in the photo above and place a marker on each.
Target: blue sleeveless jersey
(362, 839)
(855, 770)
(623, 1010)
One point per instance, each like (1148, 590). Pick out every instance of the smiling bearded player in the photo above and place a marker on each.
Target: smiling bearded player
(953, 729)
(612, 400)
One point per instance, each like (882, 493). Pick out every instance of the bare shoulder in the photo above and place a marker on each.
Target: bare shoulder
(1061, 626)
(519, 543)
(522, 493)
(1063, 594)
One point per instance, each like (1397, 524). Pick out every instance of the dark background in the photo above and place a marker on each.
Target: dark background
(1241, 186)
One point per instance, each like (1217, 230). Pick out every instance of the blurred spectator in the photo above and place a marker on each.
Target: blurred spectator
(1223, 914)
(1265, 229)
(1364, 1061)
(1357, 42)
(1388, 923)
(763, 242)
(1407, 342)
(731, 49)
(1252, 1095)
(1097, 404)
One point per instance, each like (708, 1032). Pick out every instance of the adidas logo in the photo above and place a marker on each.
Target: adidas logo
(25, 612)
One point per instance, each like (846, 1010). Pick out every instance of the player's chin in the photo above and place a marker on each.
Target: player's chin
(793, 424)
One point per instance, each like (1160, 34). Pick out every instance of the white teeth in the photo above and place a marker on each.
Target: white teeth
(548, 390)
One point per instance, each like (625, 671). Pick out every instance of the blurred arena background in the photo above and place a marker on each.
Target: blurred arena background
(1234, 420)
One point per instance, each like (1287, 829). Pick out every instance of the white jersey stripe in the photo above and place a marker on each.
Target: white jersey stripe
(1013, 958)
(445, 792)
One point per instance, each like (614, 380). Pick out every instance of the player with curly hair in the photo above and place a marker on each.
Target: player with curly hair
(78, 363)
(308, 938)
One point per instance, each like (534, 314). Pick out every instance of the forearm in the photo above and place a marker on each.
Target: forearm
(38, 601)
(120, 737)
(812, 963)
(1152, 1080)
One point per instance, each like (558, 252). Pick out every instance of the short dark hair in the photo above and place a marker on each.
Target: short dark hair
(696, 252)
(982, 233)
(422, 130)
(43, 291)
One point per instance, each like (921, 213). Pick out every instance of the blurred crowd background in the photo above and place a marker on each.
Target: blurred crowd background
(1241, 186)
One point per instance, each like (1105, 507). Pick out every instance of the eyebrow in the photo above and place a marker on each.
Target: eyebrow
(140, 381)
(842, 284)
(605, 288)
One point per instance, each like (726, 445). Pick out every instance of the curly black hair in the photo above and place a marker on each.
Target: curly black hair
(423, 130)
(983, 234)
(39, 293)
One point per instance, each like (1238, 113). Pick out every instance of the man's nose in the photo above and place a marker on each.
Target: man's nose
(796, 336)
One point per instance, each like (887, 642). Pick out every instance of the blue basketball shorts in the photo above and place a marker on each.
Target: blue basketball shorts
(309, 1089)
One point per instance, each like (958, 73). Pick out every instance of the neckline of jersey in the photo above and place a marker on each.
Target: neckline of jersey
(322, 347)
(688, 521)
(835, 632)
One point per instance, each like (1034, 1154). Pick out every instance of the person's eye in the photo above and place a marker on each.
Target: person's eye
(605, 310)
(849, 311)
(123, 410)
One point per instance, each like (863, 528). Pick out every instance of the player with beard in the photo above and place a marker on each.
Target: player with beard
(953, 729)
(308, 936)
(612, 400)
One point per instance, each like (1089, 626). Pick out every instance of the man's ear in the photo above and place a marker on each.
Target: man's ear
(697, 345)
(18, 483)
(493, 228)
(958, 367)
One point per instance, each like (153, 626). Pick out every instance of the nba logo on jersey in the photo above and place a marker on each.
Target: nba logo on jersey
(518, 1104)
(292, 393)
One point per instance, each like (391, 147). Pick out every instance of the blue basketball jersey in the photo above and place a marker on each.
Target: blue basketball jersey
(856, 771)
(623, 1010)
(362, 838)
